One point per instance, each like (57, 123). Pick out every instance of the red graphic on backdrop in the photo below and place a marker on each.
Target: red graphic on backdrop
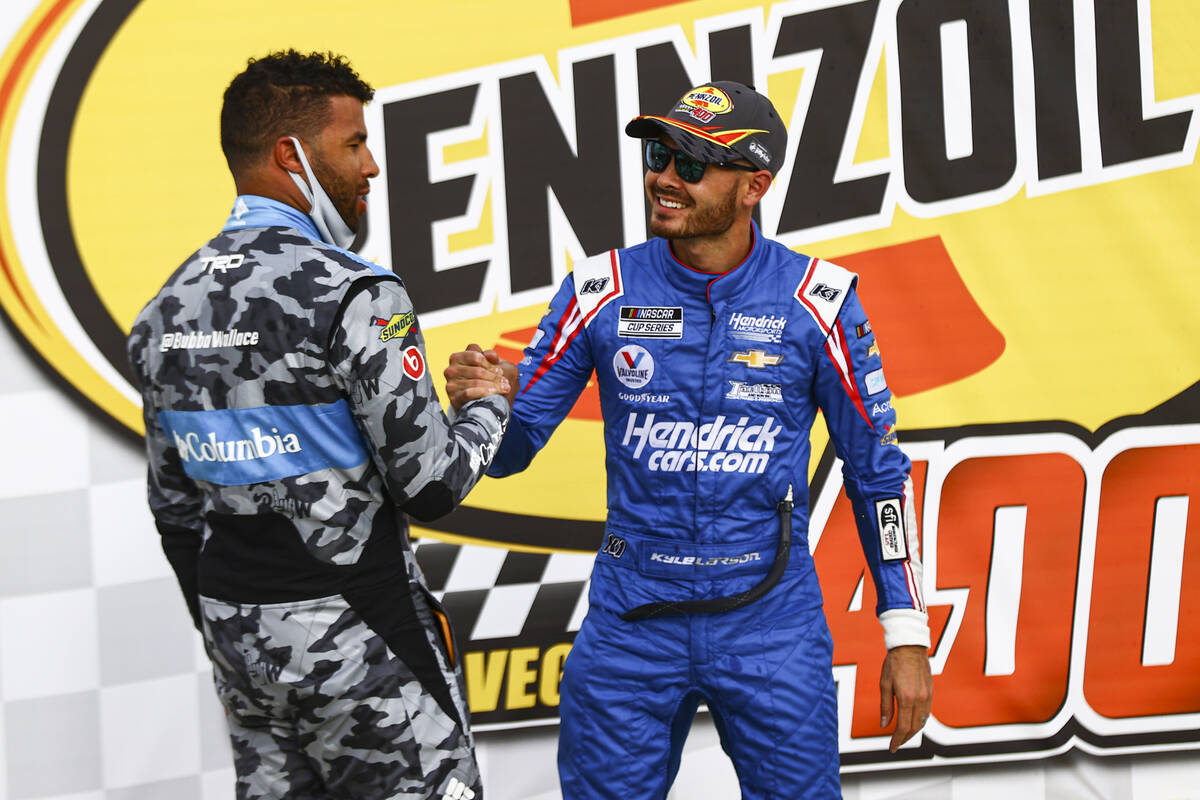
(1117, 683)
(586, 11)
(930, 328)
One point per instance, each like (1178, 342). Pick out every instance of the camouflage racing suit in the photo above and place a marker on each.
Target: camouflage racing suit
(291, 423)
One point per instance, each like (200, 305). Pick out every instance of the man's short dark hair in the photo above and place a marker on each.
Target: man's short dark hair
(285, 93)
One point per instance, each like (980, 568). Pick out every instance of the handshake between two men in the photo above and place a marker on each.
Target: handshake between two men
(474, 373)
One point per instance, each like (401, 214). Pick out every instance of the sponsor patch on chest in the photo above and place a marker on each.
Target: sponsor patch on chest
(633, 366)
(651, 322)
(755, 392)
(764, 328)
(755, 359)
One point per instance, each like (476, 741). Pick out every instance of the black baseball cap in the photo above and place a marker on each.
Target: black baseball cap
(718, 122)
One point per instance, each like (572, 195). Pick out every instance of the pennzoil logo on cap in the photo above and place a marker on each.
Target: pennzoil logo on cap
(705, 102)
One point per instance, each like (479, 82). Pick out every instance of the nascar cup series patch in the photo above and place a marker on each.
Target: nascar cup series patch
(651, 322)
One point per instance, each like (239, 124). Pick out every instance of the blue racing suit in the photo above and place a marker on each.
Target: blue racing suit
(709, 385)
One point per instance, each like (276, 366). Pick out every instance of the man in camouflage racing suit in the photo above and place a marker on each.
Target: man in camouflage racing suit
(291, 424)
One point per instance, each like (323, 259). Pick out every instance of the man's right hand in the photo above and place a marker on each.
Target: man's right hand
(475, 373)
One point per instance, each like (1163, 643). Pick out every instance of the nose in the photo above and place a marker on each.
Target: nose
(370, 168)
(668, 177)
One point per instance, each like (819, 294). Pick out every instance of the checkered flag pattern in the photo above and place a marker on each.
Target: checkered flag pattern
(492, 593)
(105, 691)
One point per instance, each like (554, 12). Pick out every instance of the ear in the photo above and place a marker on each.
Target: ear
(756, 187)
(283, 155)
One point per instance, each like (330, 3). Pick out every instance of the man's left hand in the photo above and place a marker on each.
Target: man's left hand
(905, 690)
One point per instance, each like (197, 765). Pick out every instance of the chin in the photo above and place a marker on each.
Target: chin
(664, 229)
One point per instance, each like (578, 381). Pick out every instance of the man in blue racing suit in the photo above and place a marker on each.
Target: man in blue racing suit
(713, 349)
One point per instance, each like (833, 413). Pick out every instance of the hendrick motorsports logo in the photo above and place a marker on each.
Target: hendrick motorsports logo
(766, 328)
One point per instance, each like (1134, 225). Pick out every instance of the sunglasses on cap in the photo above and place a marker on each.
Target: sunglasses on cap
(658, 155)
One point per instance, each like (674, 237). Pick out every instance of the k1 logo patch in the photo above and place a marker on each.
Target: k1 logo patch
(593, 286)
(825, 292)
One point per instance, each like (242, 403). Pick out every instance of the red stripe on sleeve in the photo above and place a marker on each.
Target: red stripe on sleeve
(563, 335)
(846, 373)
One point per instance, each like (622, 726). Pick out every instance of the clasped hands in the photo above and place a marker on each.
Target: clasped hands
(474, 373)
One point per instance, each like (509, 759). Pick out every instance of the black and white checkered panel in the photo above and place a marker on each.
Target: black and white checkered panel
(493, 593)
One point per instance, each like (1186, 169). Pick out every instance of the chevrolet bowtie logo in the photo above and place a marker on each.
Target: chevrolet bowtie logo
(756, 359)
